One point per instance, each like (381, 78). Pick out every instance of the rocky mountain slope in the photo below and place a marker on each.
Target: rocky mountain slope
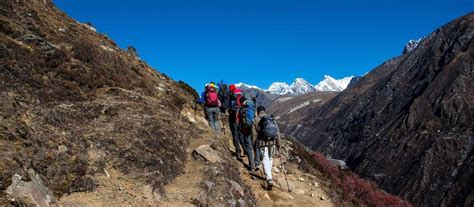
(292, 110)
(408, 124)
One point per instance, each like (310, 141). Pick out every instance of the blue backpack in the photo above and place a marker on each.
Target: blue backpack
(246, 116)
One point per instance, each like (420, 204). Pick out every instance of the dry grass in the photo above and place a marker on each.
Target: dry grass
(71, 109)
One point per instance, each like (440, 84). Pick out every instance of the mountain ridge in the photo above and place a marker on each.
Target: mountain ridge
(300, 86)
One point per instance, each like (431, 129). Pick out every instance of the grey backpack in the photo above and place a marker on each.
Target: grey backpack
(268, 128)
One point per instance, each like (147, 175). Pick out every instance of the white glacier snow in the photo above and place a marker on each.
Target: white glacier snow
(301, 86)
(280, 88)
(246, 86)
(411, 45)
(331, 84)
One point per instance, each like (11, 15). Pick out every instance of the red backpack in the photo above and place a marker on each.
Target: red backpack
(238, 97)
(212, 98)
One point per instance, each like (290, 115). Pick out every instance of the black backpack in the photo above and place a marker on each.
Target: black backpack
(268, 128)
(224, 97)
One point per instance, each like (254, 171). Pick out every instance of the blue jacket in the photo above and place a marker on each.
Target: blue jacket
(201, 100)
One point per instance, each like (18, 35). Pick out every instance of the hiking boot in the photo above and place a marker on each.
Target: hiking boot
(269, 184)
(253, 169)
(237, 156)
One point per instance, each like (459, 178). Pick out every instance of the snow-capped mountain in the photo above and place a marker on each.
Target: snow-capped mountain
(246, 86)
(301, 86)
(298, 87)
(280, 88)
(411, 45)
(331, 84)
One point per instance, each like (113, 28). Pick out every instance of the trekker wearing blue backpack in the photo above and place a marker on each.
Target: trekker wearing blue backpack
(268, 137)
(245, 119)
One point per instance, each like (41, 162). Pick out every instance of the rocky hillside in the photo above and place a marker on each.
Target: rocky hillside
(291, 110)
(408, 124)
(75, 106)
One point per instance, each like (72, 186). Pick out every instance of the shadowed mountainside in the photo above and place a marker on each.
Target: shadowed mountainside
(408, 124)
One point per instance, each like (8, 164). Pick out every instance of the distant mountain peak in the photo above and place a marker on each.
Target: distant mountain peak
(331, 84)
(301, 86)
(246, 86)
(280, 88)
(411, 45)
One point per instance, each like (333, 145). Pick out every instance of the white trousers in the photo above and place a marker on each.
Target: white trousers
(266, 154)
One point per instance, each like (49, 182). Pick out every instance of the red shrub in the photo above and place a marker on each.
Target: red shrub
(356, 189)
(327, 168)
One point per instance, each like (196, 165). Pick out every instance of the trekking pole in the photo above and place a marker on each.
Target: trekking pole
(284, 172)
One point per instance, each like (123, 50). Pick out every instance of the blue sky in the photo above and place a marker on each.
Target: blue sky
(262, 41)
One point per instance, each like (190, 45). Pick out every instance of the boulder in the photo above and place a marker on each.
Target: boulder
(207, 153)
(32, 193)
(300, 192)
(237, 187)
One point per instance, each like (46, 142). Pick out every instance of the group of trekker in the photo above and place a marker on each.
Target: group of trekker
(245, 119)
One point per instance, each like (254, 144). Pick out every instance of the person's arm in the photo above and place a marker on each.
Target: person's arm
(201, 99)
(256, 124)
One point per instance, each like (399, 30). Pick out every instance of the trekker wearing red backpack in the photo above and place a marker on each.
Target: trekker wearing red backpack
(210, 98)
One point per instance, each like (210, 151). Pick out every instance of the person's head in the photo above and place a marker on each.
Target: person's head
(232, 88)
(211, 84)
(260, 109)
(242, 99)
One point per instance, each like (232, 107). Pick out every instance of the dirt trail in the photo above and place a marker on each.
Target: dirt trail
(305, 189)
(116, 189)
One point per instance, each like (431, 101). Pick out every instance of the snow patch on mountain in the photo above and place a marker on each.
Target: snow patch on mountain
(411, 45)
(280, 88)
(246, 86)
(301, 86)
(331, 84)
